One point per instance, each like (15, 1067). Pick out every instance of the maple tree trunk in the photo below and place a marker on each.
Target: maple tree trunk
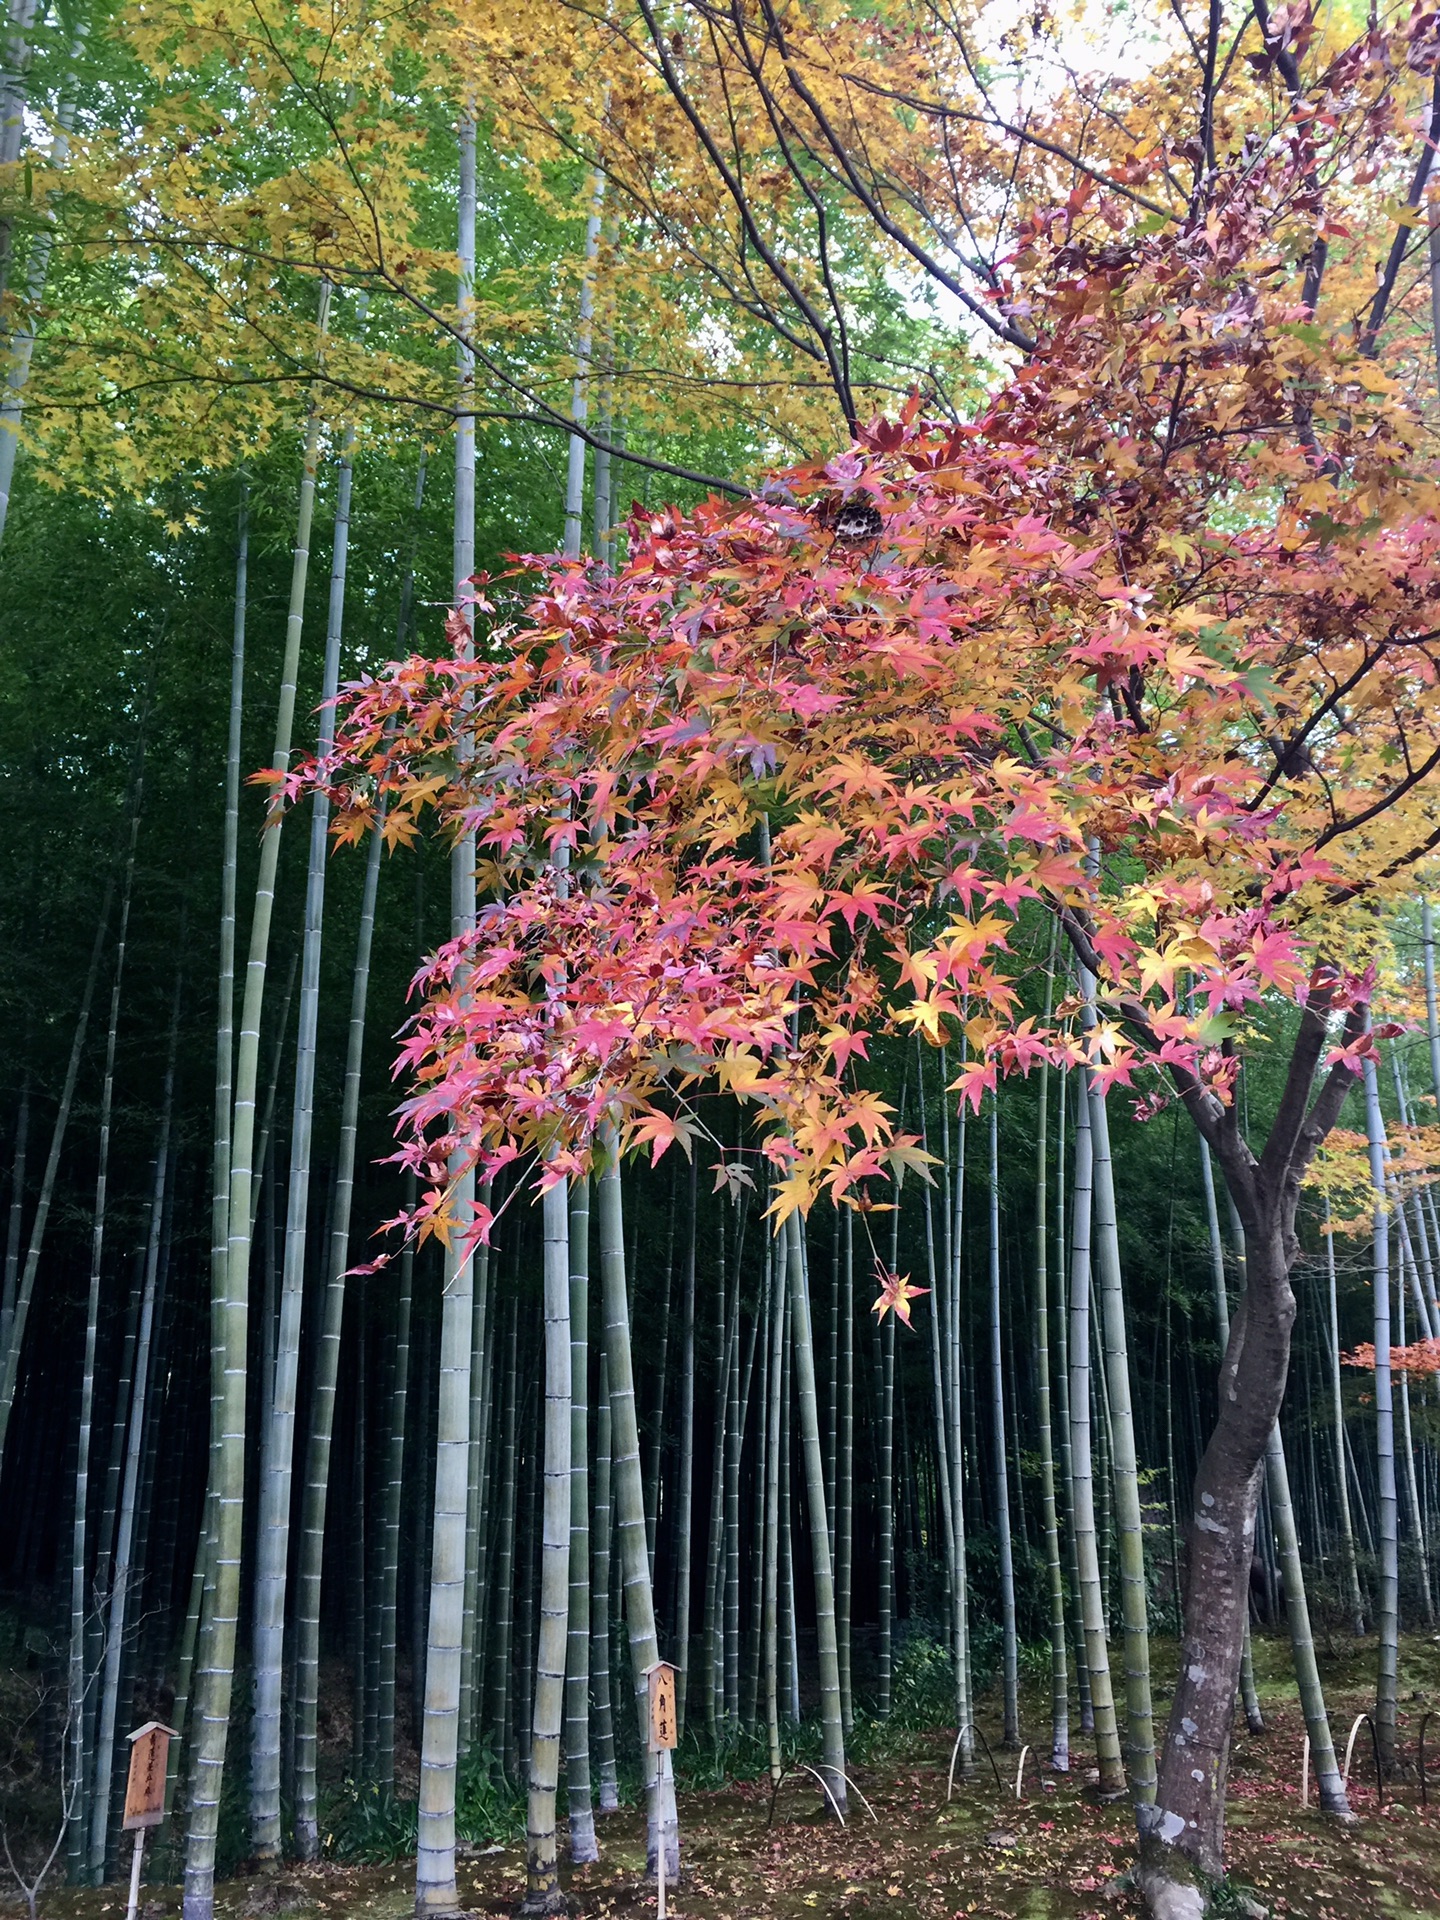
(1183, 1832)
(1250, 1699)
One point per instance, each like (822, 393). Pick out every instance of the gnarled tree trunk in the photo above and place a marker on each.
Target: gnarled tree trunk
(1182, 1834)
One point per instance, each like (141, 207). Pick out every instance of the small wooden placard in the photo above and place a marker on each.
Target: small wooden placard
(145, 1785)
(662, 1705)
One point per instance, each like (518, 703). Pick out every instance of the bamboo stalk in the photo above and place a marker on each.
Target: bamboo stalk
(1140, 1717)
(218, 1665)
(80, 1760)
(278, 1440)
(600, 1659)
(1055, 1581)
(436, 1891)
(684, 1491)
(1097, 1656)
(123, 1565)
(542, 1876)
(311, 1555)
(803, 1348)
(661, 1827)
(1387, 1612)
(583, 1845)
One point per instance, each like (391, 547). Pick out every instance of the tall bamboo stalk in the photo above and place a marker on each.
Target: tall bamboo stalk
(1067, 1462)
(713, 1625)
(1059, 1677)
(803, 1347)
(278, 1442)
(390, 1524)
(436, 1891)
(10, 1358)
(845, 1489)
(16, 1219)
(939, 1349)
(654, 1471)
(583, 1846)
(228, 1441)
(1011, 1650)
(225, 1049)
(1427, 916)
(1129, 1518)
(580, 391)
(79, 1760)
(1407, 1441)
(542, 1875)
(1387, 1612)
(770, 1620)
(789, 1647)
(885, 1500)
(601, 1535)
(661, 1826)
(1092, 1604)
(501, 1721)
(118, 1600)
(20, 347)
(960, 1596)
(684, 1491)
(400, 1351)
(310, 1558)
(734, 1436)
(1328, 1780)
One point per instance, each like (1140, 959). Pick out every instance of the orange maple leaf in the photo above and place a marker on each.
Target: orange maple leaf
(896, 1293)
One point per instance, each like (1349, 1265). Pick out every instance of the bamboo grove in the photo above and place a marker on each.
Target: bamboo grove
(834, 1080)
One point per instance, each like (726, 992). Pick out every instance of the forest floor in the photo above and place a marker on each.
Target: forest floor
(1055, 1851)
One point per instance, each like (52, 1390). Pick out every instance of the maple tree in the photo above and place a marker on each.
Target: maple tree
(1123, 628)
(235, 164)
(1146, 646)
(1419, 1356)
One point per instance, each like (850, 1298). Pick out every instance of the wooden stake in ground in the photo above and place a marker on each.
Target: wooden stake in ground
(144, 1794)
(661, 1679)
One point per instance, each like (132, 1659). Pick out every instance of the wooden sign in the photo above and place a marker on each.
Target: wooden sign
(145, 1787)
(662, 1705)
